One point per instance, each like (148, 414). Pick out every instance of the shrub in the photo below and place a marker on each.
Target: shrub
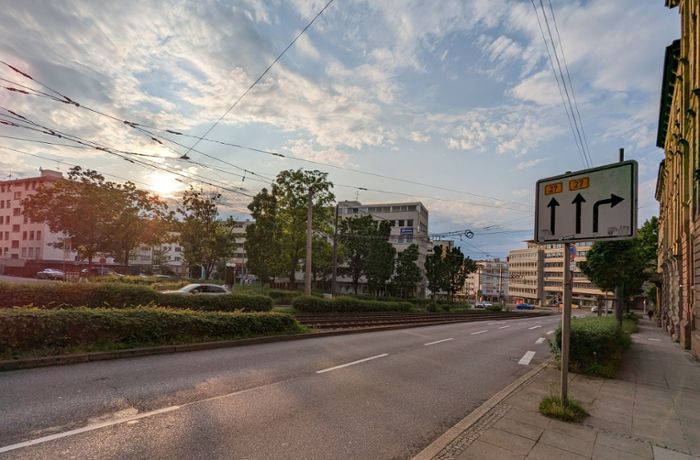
(119, 295)
(494, 308)
(570, 410)
(41, 331)
(596, 347)
(310, 304)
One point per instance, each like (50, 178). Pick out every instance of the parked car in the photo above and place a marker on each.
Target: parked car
(605, 310)
(197, 288)
(481, 305)
(51, 274)
(524, 306)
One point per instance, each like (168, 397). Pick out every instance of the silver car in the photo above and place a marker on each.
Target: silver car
(196, 288)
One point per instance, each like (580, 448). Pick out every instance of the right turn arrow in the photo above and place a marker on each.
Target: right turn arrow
(613, 201)
(577, 201)
(553, 213)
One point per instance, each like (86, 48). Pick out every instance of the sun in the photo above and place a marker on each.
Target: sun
(163, 184)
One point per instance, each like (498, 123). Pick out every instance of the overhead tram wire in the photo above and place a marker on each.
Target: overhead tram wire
(579, 146)
(568, 76)
(144, 129)
(567, 87)
(262, 75)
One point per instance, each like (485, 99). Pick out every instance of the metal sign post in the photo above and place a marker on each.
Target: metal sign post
(590, 205)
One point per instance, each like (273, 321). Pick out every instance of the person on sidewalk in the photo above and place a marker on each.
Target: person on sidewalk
(650, 314)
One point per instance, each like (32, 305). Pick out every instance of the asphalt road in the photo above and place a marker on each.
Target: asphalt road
(271, 401)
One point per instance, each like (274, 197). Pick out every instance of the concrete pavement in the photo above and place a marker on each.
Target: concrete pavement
(651, 410)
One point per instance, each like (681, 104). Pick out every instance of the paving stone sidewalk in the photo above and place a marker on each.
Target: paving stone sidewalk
(651, 410)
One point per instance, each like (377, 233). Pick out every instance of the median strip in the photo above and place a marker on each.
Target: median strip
(438, 341)
(351, 363)
(527, 357)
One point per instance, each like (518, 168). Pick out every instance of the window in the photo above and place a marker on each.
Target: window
(7, 235)
(14, 256)
(15, 228)
(409, 223)
(18, 195)
(24, 235)
(178, 249)
(401, 222)
(37, 253)
(2, 204)
(38, 234)
(24, 253)
(7, 204)
(15, 244)
(31, 235)
(16, 212)
(7, 219)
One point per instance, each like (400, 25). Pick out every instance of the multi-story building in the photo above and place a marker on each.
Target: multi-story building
(488, 282)
(409, 225)
(22, 241)
(678, 183)
(526, 275)
(537, 275)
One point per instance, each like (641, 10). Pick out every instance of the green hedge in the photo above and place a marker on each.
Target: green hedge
(596, 347)
(40, 331)
(119, 295)
(310, 304)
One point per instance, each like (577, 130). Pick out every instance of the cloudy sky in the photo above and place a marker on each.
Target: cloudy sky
(455, 98)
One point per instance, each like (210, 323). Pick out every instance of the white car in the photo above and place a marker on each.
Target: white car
(196, 288)
(483, 305)
(595, 309)
(51, 274)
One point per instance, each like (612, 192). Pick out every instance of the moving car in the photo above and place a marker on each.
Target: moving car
(51, 274)
(483, 305)
(196, 288)
(524, 306)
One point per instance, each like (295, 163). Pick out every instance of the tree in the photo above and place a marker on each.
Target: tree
(263, 238)
(379, 264)
(355, 234)
(322, 258)
(627, 263)
(457, 269)
(291, 191)
(436, 271)
(407, 274)
(204, 238)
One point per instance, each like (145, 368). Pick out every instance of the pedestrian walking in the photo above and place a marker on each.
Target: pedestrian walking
(650, 313)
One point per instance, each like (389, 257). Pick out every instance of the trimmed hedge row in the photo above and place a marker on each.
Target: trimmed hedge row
(596, 347)
(42, 331)
(310, 304)
(119, 295)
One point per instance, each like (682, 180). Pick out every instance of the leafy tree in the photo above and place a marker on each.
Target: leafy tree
(205, 239)
(457, 268)
(291, 190)
(407, 274)
(436, 271)
(322, 258)
(355, 235)
(263, 237)
(379, 264)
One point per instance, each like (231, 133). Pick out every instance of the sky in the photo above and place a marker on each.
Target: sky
(451, 103)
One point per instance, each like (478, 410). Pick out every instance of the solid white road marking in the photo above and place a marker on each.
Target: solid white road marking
(550, 332)
(503, 327)
(654, 340)
(479, 332)
(527, 357)
(533, 327)
(94, 426)
(540, 340)
(438, 341)
(352, 363)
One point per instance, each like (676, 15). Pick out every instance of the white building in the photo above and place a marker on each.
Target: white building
(488, 282)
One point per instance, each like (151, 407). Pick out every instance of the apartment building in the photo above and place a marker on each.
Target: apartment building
(21, 240)
(409, 225)
(488, 282)
(677, 187)
(526, 275)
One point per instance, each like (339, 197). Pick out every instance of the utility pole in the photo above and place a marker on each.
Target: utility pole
(309, 237)
(335, 252)
(566, 324)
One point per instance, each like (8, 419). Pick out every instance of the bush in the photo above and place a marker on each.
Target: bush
(596, 347)
(40, 331)
(310, 304)
(569, 411)
(494, 308)
(119, 295)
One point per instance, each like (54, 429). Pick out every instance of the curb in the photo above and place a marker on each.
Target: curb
(467, 422)
(29, 363)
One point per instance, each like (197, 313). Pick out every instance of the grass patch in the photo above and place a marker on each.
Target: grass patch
(570, 410)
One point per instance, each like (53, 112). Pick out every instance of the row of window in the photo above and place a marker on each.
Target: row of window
(27, 185)
(31, 253)
(401, 223)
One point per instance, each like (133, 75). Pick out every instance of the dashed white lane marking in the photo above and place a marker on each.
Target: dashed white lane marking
(479, 332)
(492, 324)
(533, 327)
(654, 340)
(527, 357)
(352, 363)
(540, 340)
(550, 332)
(92, 427)
(438, 341)
(503, 327)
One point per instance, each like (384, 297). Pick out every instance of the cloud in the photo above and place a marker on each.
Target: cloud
(528, 164)
(418, 137)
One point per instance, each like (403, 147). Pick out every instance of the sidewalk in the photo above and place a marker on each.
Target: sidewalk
(652, 410)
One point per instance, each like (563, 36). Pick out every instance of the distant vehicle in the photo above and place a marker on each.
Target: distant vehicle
(195, 288)
(51, 274)
(483, 305)
(605, 310)
(99, 271)
(524, 306)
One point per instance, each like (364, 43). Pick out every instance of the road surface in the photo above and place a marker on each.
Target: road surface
(380, 395)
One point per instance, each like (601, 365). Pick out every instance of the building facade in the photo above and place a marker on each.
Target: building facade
(409, 225)
(677, 188)
(526, 275)
(488, 282)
